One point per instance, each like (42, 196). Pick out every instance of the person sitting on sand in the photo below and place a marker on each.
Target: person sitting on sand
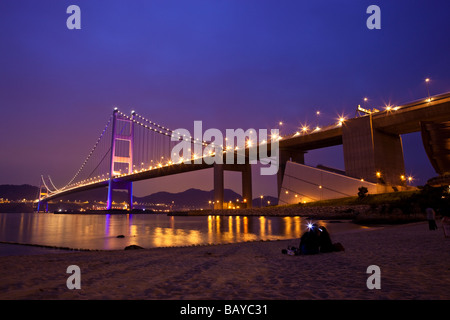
(325, 243)
(315, 240)
(309, 242)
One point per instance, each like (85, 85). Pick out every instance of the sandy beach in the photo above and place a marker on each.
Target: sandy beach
(414, 264)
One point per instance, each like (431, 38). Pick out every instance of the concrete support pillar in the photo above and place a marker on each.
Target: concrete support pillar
(218, 186)
(120, 186)
(371, 154)
(130, 194)
(247, 192)
(246, 171)
(288, 154)
(43, 203)
(436, 141)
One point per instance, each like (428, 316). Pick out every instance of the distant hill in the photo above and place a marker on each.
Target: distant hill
(188, 199)
(195, 198)
(18, 192)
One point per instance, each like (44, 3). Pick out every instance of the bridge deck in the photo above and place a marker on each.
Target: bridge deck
(405, 119)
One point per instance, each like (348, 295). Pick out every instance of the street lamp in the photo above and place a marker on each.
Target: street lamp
(427, 80)
(410, 179)
(304, 128)
(280, 124)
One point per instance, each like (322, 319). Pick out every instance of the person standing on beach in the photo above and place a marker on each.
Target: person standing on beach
(431, 217)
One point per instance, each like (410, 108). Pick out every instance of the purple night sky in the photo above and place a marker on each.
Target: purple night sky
(230, 63)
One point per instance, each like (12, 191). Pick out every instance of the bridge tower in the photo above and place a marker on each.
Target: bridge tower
(43, 191)
(121, 155)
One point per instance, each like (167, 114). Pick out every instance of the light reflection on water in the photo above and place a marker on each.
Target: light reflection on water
(88, 231)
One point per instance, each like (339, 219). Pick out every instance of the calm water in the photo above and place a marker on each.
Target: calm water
(149, 230)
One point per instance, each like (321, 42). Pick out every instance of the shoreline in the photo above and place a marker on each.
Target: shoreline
(363, 213)
(43, 246)
(372, 221)
(389, 212)
(72, 249)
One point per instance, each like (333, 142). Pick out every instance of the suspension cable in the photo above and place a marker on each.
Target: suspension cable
(51, 182)
(45, 185)
(90, 154)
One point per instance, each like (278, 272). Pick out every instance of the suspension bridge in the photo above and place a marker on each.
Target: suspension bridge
(132, 148)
